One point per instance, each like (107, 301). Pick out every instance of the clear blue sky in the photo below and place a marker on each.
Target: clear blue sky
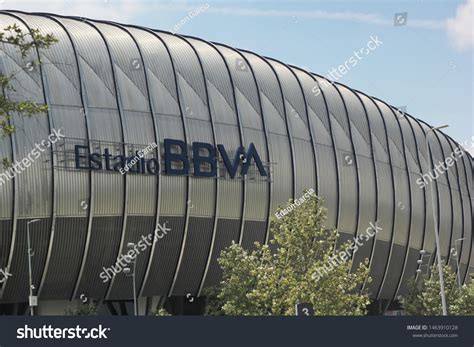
(425, 65)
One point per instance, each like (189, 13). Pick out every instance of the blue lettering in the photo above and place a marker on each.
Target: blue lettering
(176, 157)
(198, 160)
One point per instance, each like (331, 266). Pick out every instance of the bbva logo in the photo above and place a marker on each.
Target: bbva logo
(174, 152)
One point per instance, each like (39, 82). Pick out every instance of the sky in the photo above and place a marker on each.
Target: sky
(423, 60)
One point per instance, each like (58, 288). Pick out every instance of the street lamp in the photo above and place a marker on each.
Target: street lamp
(456, 254)
(30, 254)
(127, 272)
(421, 261)
(438, 249)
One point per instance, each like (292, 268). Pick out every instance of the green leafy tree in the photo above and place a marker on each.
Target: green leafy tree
(270, 280)
(424, 297)
(81, 309)
(160, 312)
(24, 42)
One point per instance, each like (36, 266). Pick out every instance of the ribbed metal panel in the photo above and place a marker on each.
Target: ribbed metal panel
(165, 258)
(471, 262)
(270, 95)
(5, 237)
(409, 273)
(253, 129)
(137, 120)
(456, 207)
(468, 208)
(90, 201)
(199, 126)
(17, 288)
(253, 231)
(401, 187)
(138, 229)
(327, 185)
(35, 184)
(194, 258)
(225, 115)
(347, 162)
(140, 130)
(173, 188)
(445, 205)
(95, 64)
(316, 107)
(296, 115)
(393, 204)
(193, 101)
(58, 64)
(275, 121)
(105, 126)
(465, 245)
(417, 200)
(72, 185)
(393, 271)
(66, 255)
(365, 164)
(378, 265)
(227, 231)
(129, 77)
(442, 194)
(222, 110)
(338, 117)
(403, 203)
(102, 252)
(6, 189)
(429, 238)
(422, 213)
(358, 122)
(385, 210)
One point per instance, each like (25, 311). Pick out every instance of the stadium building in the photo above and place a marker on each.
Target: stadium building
(217, 138)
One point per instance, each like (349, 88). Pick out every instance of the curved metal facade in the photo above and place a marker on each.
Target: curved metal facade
(354, 150)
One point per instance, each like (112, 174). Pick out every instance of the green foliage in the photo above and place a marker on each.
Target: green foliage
(213, 304)
(161, 312)
(7, 163)
(24, 42)
(82, 310)
(14, 35)
(424, 297)
(271, 280)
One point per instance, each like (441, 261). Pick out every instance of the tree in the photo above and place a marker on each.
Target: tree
(161, 312)
(81, 309)
(270, 280)
(24, 43)
(424, 299)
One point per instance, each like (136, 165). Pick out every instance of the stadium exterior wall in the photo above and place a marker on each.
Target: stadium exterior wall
(124, 86)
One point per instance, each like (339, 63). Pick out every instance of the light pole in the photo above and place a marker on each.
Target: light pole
(30, 299)
(420, 261)
(126, 271)
(438, 249)
(456, 254)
